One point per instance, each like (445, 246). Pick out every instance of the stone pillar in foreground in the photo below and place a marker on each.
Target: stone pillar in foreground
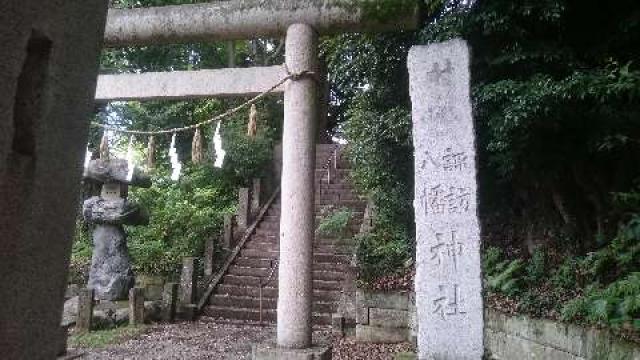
(50, 51)
(297, 217)
(448, 279)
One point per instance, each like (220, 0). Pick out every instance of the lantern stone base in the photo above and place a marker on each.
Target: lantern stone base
(110, 275)
(272, 352)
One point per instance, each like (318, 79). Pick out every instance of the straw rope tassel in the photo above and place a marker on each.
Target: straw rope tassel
(252, 129)
(151, 153)
(197, 152)
(104, 147)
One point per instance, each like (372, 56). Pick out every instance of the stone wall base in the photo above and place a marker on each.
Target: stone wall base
(272, 352)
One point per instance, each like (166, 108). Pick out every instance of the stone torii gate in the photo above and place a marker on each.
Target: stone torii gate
(52, 47)
(302, 22)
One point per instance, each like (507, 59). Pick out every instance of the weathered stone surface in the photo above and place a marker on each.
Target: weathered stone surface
(347, 307)
(72, 291)
(510, 347)
(63, 335)
(188, 281)
(98, 210)
(337, 325)
(49, 65)
(244, 209)
(85, 310)
(228, 241)
(380, 335)
(389, 318)
(272, 352)
(70, 311)
(383, 300)
(256, 197)
(297, 205)
(247, 19)
(107, 314)
(152, 285)
(524, 338)
(413, 320)
(188, 312)
(190, 84)
(209, 253)
(448, 277)
(115, 170)
(362, 315)
(110, 275)
(136, 306)
(169, 301)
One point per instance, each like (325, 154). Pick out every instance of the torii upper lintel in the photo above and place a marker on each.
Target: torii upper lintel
(248, 19)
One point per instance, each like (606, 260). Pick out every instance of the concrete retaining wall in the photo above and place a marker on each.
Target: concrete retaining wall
(523, 338)
(384, 317)
(390, 317)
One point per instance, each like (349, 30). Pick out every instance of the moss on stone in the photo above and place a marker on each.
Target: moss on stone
(382, 11)
(386, 10)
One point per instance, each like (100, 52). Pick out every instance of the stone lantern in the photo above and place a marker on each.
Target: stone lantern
(111, 275)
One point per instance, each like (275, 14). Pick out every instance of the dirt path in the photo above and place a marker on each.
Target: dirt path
(206, 339)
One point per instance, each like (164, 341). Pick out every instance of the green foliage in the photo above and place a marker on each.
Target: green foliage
(555, 92)
(376, 141)
(556, 107)
(612, 295)
(184, 215)
(102, 338)
(601, 288)
(335, 224)
(615, 305)
(503, 276)
(536, 269)
(80, 254)
(381, 253)
(386, 10)
(247, 158)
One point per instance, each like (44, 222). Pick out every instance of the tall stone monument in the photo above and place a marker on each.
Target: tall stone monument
(448, 278)
(110, 275)
(50, 51)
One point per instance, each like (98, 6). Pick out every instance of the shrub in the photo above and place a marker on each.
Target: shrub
(80, 254)
(335, 224)
(380, 254)
(612, 296)
(614, 305)
(183, 215)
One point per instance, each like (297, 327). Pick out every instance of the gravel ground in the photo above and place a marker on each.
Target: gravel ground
(207, 339)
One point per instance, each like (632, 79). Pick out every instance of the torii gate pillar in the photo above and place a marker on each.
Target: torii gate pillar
(301, 111)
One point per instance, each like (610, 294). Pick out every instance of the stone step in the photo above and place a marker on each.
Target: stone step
(333, 190)
(272, 292)
(248, 302)
(357, 212)
(317, 257)
(319, 240)
(265, 272)
(273, 229)
(324, 248)
(246, 262)
(340, 196)
(357, 204)
(255, 281)
(268, 315)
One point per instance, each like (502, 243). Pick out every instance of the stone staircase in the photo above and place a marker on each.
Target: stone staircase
(237, 296)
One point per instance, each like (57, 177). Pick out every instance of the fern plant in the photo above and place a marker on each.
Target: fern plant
(503, 276)
(615, 305)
